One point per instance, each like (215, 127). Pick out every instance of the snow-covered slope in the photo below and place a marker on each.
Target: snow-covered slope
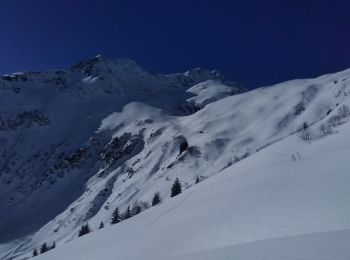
(268, 206)
(49, 147)
(112, 135)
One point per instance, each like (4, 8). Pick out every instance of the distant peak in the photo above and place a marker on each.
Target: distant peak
(200, 72)
(101, 63)
(89, 63)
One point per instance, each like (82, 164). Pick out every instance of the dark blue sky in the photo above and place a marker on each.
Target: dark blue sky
(255, 42)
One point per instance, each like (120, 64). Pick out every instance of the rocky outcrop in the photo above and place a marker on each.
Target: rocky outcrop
(24, 119)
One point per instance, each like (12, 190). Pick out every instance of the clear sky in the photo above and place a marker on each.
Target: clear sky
(256, 42)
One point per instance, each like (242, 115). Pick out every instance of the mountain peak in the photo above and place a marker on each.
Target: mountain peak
(91, 64)
(101, 63)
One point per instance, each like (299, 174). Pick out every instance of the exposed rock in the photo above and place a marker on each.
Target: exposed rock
(182, 143)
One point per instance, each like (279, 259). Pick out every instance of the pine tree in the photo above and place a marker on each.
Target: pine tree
(136, 208)
(82, 231)
(43, 248)
(127, 213)
(115, 216)
(197, 179)
(156, 199)
(176, 189)
(85, 229)
(53, 245)
(35, 252)
(101, 225)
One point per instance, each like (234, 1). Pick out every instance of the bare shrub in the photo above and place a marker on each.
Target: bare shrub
(339, 118)
(334, 121)
(343, 111)
(304, 132)
(325, 129)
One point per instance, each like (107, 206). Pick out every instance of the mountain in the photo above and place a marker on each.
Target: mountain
(268, 206)
(52, 144)
(78, 143)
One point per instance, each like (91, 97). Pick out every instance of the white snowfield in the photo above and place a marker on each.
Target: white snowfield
(267, 206)
(264, 193)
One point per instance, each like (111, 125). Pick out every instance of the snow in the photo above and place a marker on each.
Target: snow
(267, 206)
(262, 189)
(50, 143)
(209, 91)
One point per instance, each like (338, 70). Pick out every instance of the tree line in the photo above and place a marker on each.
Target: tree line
(117, 216)
(137, 208)
(44, 248)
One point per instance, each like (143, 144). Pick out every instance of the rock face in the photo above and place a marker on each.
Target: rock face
(24, 119)
(121, 147)
(52, 144)
(182, 142)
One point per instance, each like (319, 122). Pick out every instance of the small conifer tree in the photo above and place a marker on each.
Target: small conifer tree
(156, 199)
(43, 248)
(101, 225)
(176, 189)
(127, 213)
(136, 208)
(115, 216)
(85, 229)
(197, 179)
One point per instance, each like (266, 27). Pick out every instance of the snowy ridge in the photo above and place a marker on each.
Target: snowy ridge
(50, 146)
(176, 126)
